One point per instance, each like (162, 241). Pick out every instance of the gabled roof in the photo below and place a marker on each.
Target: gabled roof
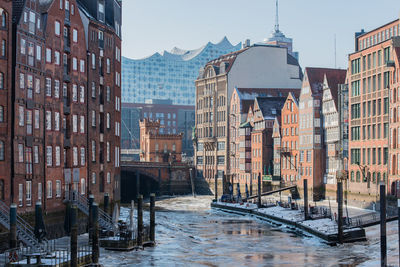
(333, 83)
(316, 77)
(270, 107)
(277, 125)
(44, 5)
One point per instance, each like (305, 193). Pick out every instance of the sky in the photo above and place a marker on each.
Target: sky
(151, 26)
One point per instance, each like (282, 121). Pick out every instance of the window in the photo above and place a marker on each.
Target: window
(37, 119)
(2, 151)
(29, 86)
(1, 114)
(61, 4)
(108, 178)
(83, 156)
(20, 194)
(22, 81)
(29, 122)
(93, 151)
(355, 156)
(74, 93)
(108, 65)
(1, 80)
(21, 117)
(83, 186)
(93, 90)
(82, 94)
(23, 46)
(48, 120)
(49, 156)
(75, 156)
(49, 189)
(108, 94)
(57, 57)
(117, 128)
(48, 55)
(93, 118)
(48, 87)
(75, 123)
(82, 65)
(108, 121)
(117, 103)
(116, 156)
(56, 88)
(74, 63)
(82, 124)
(37, 85)
(58, 188)
(75, 35)
(36, 154)
(57, 28)
(93, 61)
(93, 178)
(58, 156)
(40, 191)
(108, 152)
(3, 48)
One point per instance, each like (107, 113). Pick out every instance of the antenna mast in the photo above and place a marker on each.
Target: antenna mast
(277, 18)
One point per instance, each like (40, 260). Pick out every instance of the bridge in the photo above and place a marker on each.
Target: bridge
(162, 178)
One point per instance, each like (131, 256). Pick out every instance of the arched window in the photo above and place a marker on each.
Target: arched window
(1, 150)
(394, 141)
(394, 165)
(374, 177)
(174, 147)
(378, 177)
(358, 177)
(352, 176)
(156, 147)
(3, 19)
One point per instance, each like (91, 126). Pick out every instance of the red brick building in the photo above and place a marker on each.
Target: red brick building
(28, 177)
(157, 147)
(311, 139)
(103, 37)
(289, 141)
(266, 109)
(373, 95)
(5, 99)
(45, 108)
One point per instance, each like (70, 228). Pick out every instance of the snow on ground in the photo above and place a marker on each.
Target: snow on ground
(246, 206)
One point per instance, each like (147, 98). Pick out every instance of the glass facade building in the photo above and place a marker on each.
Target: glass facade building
(169, 75)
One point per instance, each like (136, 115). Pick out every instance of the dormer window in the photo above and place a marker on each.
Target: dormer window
(101, 12)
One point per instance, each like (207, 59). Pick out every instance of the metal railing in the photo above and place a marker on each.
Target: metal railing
(58, 256)
(105, 220)
(25, 232)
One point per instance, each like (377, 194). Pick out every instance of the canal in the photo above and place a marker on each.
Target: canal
(189, 233)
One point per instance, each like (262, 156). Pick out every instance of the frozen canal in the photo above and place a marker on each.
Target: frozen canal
(189, 233)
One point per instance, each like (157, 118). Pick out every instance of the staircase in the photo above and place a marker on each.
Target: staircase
(105, 220)
(25, 232)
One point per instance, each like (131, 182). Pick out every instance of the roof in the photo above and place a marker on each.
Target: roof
(316, 77)
(334, 79)
(17, 7)
(270, 107)
(44, 5)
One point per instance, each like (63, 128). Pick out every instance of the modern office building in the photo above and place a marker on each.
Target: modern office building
(169, 75)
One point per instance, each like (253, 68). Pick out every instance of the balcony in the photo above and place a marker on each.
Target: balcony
(67, 45)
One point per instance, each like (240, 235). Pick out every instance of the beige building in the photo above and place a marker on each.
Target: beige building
(257, 66)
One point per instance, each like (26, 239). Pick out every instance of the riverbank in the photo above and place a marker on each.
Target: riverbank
(323, 228)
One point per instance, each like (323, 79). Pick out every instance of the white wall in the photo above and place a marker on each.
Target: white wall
(263, 67)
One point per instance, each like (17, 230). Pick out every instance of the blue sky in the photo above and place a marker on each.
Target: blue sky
(151, 26)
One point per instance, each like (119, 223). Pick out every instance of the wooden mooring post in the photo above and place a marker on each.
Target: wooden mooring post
(95, 234)
(74, 236)
(305, 199)
(340, 211)
(13, 226)
(152, 218)
(216, 188)
(139, 239)
(382, 192)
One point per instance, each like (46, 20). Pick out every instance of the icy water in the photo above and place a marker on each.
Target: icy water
(189, 233)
